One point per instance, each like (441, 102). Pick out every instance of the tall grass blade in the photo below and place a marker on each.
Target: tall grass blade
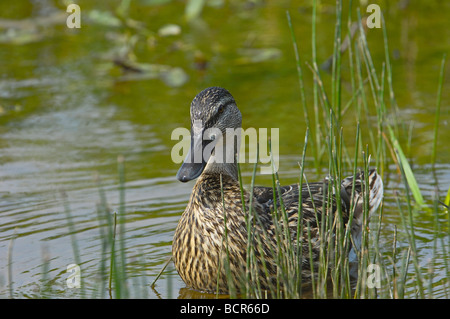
(438, 109)
(113, 267)
(336, 66)
(299, 70)
(447, 199)
(403, 162)
(71, 226)
(300, 226)
(122, 267)
(10, 262)
(389, 72)
(161, 272)
(411, 236)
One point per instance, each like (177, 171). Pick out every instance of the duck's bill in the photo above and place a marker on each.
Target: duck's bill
(195, 161)
(190, 171)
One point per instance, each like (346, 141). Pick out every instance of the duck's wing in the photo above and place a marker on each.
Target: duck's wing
(314, 197)
(312, 193)
(264, 195)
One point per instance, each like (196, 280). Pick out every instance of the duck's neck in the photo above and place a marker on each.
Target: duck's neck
(229, 169)
(224, 162)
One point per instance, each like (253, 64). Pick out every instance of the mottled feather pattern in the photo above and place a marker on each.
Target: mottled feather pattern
(202, 227)
(199, 248)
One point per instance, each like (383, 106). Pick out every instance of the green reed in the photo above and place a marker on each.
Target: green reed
(438, 109)
(10, 263)
(74, 242)
(117, 271)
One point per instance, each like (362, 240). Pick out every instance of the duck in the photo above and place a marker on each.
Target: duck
(222, 219)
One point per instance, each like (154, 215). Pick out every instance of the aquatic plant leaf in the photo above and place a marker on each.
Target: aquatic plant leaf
(104, 18)
(171, 76)
(403, 161)
(174, 77)
(193, 9)
(155, 2)
(256, 55)
(29, 30)
(19, 37)
(447, 198)
(169, 29)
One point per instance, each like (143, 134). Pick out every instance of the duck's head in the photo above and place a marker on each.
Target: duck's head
(213, 111)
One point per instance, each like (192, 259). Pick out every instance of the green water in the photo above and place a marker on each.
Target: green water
(67, 112)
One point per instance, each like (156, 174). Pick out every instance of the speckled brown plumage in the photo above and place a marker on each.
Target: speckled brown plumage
(203, 244)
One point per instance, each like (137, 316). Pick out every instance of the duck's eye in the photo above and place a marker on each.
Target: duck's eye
(220, 110)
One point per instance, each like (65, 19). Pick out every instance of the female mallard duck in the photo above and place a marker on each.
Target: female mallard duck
(202, 244)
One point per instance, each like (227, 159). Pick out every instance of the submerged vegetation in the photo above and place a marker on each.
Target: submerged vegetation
(378, 137)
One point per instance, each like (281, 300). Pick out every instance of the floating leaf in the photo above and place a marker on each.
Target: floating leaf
(169, 29)
(29, 30)
(256, 55)
(104, 18)
(175, 77)
(13, 36)
(193, 9)
(171, 76)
